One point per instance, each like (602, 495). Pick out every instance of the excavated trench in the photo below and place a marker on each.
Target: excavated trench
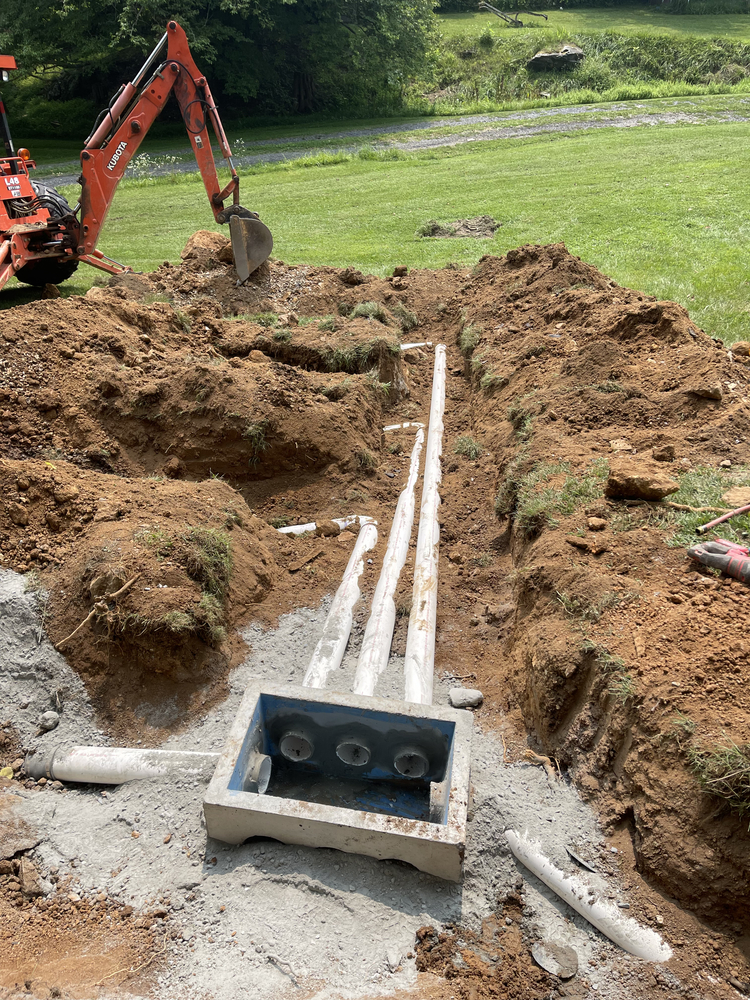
(162, 427)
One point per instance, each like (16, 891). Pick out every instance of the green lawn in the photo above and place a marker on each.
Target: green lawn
(665, 209)
(609, 19)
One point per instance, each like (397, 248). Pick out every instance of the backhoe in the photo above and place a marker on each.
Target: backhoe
(43, 239)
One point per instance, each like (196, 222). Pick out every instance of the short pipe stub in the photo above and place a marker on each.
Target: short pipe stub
(295, 746)
(353, 752)
(411, 762)
(258, 774)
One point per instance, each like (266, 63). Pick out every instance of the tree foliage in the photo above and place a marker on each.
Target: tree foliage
(267, 56)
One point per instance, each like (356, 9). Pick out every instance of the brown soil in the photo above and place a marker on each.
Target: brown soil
(561, 363)
(70, 944)
(483, 227)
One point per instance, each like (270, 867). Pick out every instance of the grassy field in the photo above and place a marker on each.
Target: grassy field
(664, 209)
(624, 19)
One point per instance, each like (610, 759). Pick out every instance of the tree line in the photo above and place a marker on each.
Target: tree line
(261, 57)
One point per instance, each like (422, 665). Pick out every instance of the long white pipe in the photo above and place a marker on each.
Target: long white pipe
(624, 931)
(330, 649)
(420, 639)
(343, 523)
(422, 343)
(376, 645)
(113, 765)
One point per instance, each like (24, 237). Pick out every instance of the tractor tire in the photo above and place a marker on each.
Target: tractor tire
(54, 270)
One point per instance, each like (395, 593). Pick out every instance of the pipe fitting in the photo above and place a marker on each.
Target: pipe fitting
(411, 762)
(354, 752)
(296, 747)
(258, 774)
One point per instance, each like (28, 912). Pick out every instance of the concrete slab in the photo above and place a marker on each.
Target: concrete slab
(361, 774)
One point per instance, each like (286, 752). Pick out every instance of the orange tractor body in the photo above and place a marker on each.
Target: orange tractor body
(43, 239)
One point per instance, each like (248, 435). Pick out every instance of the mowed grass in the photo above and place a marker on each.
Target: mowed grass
(664, 209)
(624, 19)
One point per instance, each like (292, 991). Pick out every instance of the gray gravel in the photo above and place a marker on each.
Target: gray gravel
(260, 918)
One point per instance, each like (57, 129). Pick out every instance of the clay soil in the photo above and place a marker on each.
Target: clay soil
(155, 432)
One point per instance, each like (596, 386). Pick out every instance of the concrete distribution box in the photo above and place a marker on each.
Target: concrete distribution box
(360, 774)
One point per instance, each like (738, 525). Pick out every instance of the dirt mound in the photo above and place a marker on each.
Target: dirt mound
(158, 571)
(624, 658)
(483, 227)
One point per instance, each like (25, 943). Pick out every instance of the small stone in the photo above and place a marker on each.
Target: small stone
(726, 464)
(49, 721)
(624, 906)
(327, 529)
(174, 468)
(400, 271)
(620, 444)
(596, 524)
(28, 876)
(635, 480)
(742, 347)
(6, 772)
(557, 959)
(18, 514)
(455, 556)
(257, 357)
(663, 452)
(465, 697)
(660, 920)
(393, 959)
(710, 390)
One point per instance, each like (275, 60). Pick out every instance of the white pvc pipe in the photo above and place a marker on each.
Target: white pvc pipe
(113, 765)
(376, 645)
(330, 649)
(422, 343)
(624, 931)
(343, 523)
(398, 427)
(420, 639)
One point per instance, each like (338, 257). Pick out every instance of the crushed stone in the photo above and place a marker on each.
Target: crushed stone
(265, 916)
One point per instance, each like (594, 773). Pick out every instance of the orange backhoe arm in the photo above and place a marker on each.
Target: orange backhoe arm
(124, 125)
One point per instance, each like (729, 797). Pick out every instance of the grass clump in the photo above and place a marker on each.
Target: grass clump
(371, 310)
(366, 459)
(470, 337)
(520, 418)
(591, 611)
(724, 771)
(255, 434)
(208, 559)
(282, 336)
(467, 446)
(622, 687)
(266, 319)
(705, 487)
(549, 489)
(157, 539)
(407, 319)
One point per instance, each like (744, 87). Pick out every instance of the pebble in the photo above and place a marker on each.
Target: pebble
(726, 464)
(49, 721)
(465, 697)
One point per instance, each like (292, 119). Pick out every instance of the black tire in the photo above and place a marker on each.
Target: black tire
(54, 270)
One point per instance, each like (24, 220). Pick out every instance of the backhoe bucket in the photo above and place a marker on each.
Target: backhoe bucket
(252, 243)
